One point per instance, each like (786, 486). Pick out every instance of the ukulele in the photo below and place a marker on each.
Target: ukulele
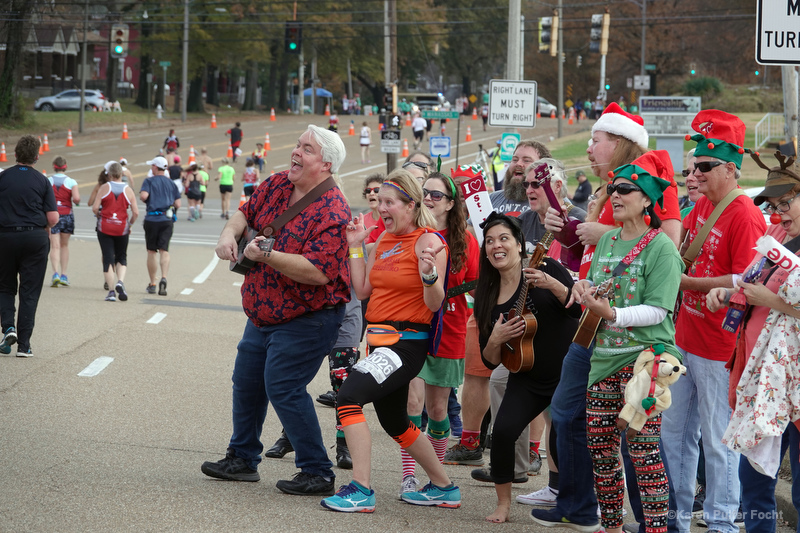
(517, 354)
(571, 248)
(590, 321)
(242, 264)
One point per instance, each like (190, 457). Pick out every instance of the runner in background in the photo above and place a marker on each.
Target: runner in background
(66, 193)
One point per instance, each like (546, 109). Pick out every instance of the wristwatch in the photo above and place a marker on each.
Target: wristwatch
(266, 245)
(432, 276)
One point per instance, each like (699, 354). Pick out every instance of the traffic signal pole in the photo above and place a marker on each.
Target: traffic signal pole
(390, 69)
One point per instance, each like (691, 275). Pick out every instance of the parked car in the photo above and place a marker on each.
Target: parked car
(70, 100)
(545, 107)
(429, 101)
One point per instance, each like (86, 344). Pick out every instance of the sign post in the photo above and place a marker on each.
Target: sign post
(669, 119)
(512, 104)
(391, 142)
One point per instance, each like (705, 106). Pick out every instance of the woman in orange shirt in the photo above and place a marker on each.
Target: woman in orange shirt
(401, 278)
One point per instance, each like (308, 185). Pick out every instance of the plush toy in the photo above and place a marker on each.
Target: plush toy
(647, 393)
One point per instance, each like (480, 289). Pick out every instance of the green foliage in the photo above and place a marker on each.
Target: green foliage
(705, 87)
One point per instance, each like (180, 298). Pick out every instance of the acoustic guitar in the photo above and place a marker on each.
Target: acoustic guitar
(571, 247)
(590, 321)
(242, 264)
(517, 354)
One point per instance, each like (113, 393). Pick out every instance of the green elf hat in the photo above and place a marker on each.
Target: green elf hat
(721, 135)
(650, 172)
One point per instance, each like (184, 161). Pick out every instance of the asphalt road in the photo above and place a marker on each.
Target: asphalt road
(106, 427)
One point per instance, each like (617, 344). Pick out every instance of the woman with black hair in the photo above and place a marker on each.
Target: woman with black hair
(503, 277)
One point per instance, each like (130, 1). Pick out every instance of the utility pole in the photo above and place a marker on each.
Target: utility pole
(644, 40)
(390, 67)
(560, 55)
(791, 107)
(513, 60)
(185, 67)
(83, 64)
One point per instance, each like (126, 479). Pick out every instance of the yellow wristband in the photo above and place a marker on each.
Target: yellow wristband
(358, 250)
(356, 255)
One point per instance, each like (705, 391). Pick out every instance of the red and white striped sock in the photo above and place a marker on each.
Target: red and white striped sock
(409, 464)
(439, 446)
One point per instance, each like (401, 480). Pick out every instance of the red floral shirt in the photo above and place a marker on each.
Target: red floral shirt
(317, 233)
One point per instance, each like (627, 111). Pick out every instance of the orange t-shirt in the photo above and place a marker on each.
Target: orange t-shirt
(397, 291)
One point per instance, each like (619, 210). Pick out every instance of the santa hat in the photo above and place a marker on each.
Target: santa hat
(650, 172)
(618, 122)
(721, 135)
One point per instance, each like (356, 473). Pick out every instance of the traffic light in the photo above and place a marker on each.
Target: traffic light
(579, 60)
(608, 86)
(598, 39)
(293, 42)
(390, 99)
(119, 40)
(548, 35)
(692, 69)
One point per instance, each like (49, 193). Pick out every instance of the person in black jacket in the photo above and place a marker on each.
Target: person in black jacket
(27, 211)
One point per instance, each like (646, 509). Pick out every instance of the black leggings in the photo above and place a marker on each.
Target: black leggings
(522, 402)
(391, 396)
(114, 249)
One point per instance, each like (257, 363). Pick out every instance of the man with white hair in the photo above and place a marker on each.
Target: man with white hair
(294, 297)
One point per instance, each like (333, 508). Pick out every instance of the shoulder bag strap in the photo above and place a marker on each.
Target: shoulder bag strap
(295, 209)
(697, 243)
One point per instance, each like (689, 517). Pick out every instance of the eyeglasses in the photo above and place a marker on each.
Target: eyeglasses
(531, 184)
(368, 190)
(782, 207)
(621, 188)
(436, 196)
(685, 172)
(706, 166)
(418, 164)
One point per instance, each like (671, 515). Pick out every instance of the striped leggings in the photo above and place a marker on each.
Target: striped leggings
(604, 401)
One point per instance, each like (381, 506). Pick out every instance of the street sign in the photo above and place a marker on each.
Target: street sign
(391, 142)
(776, 32)
(669, 115)
(440, 146)
(508, 143)
(429, 113)
(641, 83)
(512, 104)
(164, 64)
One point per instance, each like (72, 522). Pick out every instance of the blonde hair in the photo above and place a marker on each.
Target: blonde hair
(410, 190)
(625, 152)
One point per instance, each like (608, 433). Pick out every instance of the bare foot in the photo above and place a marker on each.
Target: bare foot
(500, 515)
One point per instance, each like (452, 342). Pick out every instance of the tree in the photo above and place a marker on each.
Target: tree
(16, 27)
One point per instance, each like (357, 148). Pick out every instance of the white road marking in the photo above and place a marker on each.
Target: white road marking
(156, 318)
(80, 154)
(207, 272)
(139, 145)
(97, 366)
(187, 291)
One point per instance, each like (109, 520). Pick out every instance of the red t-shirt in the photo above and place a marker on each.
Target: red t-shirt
(114, 210)
(728, 249)
(454, 329)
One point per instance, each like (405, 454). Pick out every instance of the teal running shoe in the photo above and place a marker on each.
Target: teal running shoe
(432, 495)
(351, 498)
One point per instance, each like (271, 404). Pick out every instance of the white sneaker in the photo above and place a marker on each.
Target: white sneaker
(409, 484)
(545, 497)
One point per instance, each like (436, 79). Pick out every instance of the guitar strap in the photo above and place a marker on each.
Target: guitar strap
(694, 248)
(296, 208)
(628, 259)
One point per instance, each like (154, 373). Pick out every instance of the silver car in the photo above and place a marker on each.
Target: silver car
(70, 100)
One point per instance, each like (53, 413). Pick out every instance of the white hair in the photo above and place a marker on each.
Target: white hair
(333, 150)
(557, 172)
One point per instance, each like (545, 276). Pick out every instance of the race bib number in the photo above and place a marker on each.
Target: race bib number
(381, 363)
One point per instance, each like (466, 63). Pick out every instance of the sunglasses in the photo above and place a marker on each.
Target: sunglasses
(531, 184)
(368, 190)
(706, 166)
(621, 188)
(436, 196)
(685, 172)
(418, 164)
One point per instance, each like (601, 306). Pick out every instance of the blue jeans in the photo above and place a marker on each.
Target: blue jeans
(758, 490)
(275, 364)
(700, 404)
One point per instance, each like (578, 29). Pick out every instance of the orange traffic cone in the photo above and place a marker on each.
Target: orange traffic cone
(266, 143)
(272, 114)
(553, 113)
(408, 119)
(562, 114)
(327, 110)
(352, 130)
(124, 131)
(571, 115)
(474, 113)
(192, 158)
(538, 113)
(3, 157)
(46, 144)
(213, 121)
(41, 147)
(469, 134)
(242, 200)
(405, 148)
(230, 151)
(69, 139)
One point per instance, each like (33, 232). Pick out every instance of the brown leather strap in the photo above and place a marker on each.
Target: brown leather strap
(295, 209)
(694, 249)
